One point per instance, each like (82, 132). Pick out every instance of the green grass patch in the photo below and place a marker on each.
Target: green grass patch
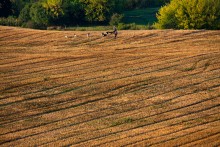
(191, 68)
(139, 19)
(207, 64)
(141, 16)
(122, 121)
(46, 78)
(90, 28)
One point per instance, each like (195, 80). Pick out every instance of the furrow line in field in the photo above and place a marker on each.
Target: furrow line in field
(6, 29)
(190, 134)
(21, 72)
(117, 132)
(37, 62)
(66, 77)
(90, 66)
(134, 120)
(82, 41)
(41, 36)
(17, 60)
(195, 103)
(74, 88)
(108, 41)
(67, 61)
(210, 134)
(49, 61)
(166, 139)
(91, 41)
(142, 87)
(72, 100)
(139, 45)
(80, 80)
(182, 38)
(148, 66)
(91, 120)
(3, 58)
(182, 119)
(7, 37)
(19, 38)
(211, 140)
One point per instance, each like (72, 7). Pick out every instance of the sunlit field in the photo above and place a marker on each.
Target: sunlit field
(145, 88)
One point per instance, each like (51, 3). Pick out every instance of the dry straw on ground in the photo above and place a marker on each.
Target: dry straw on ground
(145, 88)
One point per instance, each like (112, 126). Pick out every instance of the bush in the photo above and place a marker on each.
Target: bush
(184, 14)
(10, 21)
(131, 26)
(39, 15)
(149, 26)
(116, 19)
(122, 26)
(33, 25)
(166, 17)
(24, 15)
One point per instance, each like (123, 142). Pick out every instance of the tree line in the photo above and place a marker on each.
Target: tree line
(173, 14)
(41, 13)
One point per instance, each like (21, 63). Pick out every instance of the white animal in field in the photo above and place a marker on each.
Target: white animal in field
(104, 34)
(88, 35)
(74, 36)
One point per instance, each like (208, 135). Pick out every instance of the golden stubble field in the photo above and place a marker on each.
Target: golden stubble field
(145, 88)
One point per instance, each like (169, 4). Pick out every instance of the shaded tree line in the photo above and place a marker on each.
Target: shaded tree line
(41, 13)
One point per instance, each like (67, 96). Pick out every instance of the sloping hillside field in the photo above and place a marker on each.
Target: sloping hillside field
(145, 88)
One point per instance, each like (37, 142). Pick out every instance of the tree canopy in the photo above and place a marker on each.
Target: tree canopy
(194, 14)
(98, 10)
(176, 14)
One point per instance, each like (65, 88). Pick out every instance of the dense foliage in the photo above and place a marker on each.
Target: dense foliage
(194, 14)
(116, 19)
(71, 12)
(39, 15)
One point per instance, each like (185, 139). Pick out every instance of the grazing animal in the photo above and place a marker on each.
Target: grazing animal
(74, 36)
(104, 34)
(88, 35)
(115, 32)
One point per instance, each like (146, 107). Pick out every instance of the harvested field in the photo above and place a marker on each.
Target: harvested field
(145, 88)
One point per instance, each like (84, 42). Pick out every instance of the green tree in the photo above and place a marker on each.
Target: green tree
(166, 17)
(194, 14)
(98, 10)
(116, 19)
(39, 15)
(18, 5)
(73, 12)
(24, 15)
(53, 7)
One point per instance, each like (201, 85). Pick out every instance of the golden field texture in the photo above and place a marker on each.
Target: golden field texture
(145, 88)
